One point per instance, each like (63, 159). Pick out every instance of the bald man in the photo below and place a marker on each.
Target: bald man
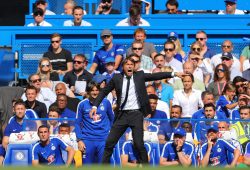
(188, 67)
(72, 102)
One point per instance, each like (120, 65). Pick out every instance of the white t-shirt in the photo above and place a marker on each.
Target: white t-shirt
(71, 23)
(42, 24)
(237, 12)
(126, 22)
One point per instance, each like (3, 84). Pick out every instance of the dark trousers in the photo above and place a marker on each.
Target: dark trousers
(134, 120)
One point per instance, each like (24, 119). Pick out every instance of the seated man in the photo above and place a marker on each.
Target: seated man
(214, 151)
(129, 156)
(178, 151)
(231, 8)
(48, 150)
(105, 7)
(43, 5)
(134, 18)
(38, 16)
(78, 21)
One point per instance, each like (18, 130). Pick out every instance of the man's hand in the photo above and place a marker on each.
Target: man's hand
(99, 9)
(179, 145)
(209, 143)
(180, 74)
(92, 112)
(81, 146)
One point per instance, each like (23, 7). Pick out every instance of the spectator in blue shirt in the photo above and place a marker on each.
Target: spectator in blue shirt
(178, 151)
(91, 133)
(48, 150)
(214, 151)
(108, 50)
(247, 154)
(110, 68)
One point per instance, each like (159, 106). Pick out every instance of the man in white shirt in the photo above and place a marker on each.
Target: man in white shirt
(169, 49)
(134, 18)
(38, 16)
(78, 21)
(188, 98)
(231, 8)
(43, 5)
(227, 46)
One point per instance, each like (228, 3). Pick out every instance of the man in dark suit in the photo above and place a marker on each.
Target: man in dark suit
(133, 106)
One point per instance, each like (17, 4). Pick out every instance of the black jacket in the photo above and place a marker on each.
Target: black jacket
(139, 79)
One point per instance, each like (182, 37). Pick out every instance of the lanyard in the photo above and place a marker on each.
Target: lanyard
(218, 87)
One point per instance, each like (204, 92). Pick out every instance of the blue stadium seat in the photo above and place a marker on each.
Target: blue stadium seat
(115, 158)
(18, 155)
(154, 154)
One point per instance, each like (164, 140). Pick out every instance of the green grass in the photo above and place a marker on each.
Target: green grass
(98, 167)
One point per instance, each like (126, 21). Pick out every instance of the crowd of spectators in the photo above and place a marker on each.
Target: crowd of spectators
(202, 119)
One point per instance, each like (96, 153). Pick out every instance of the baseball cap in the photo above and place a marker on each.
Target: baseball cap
(180, 131)
(106, 32)
(109, 60)
(213, 128)
(173, 36)
(227, 55)
(232, 1)
(99, 78)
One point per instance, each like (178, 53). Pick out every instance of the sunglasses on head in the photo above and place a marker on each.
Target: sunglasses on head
(200, 39)
(220, 70)
(35, 81)
(168, 49)
(137, 48)
(55, 41)
(172, 38)
(240, 85)
(196, 49)
(77, 62)
(137, 61)
(226, 46)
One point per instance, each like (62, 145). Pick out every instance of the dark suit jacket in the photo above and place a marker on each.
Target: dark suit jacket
(139, 79)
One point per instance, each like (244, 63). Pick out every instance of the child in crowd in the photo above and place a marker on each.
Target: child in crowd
(110, 69)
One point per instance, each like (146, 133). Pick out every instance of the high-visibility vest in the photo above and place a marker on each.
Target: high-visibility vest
(238, 127)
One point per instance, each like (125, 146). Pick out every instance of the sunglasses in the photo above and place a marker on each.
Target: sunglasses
(227, 59)
(55, 41)
(44, 65)
(168, 49)
(108, 1)
(226, 46)
(35, 81)
(200, 39)
(220, 70)
(240, 85)
(137, 48)
(196, 59)
(137, 61)
(106, 36)
(38, 13)
(172, 38)
(196, 49)
(77, 62)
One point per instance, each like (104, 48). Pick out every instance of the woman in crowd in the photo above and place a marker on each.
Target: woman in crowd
(45, 70)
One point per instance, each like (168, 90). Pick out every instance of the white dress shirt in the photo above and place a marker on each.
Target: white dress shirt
(189, 103)
(126, 22)
(42, 24)
(175, 64)
(71, 23)
(132, 101)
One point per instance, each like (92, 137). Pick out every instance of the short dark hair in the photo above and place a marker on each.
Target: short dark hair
(209, 105)
(30, 87)
(128, 58)
(77, 7)
(238, 79)
(134, 10)
(159, 54)
(169, 42)
(153, 96)
(189, 75)
(204, 93)
(64, 125)
(91, 85)
(134, 55)
(82, 56)
(244, 107)
(35, 74)
(172, 3)
(42, 126)
(19, 102)
(177, 106)
(54, 108)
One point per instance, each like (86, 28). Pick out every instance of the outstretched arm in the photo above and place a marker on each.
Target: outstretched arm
(162, 75)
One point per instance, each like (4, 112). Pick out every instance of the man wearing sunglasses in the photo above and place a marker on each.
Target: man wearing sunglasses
(227, 46)
(105, 7)
(108, 50)
(231, 8)
(79, 73)
(206, 52)
(60, 58)
(227, 59)
(43, 5)
(38, 16)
